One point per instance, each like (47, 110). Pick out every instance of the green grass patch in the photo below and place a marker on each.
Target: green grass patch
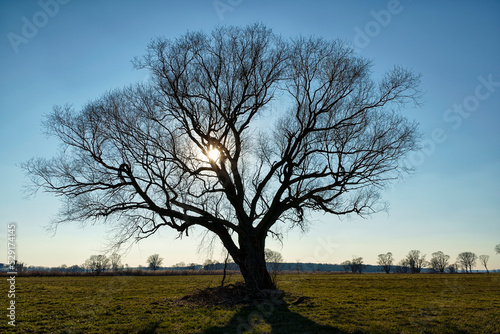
(368, 303)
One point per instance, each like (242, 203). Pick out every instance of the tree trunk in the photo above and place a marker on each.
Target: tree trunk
(252, 265)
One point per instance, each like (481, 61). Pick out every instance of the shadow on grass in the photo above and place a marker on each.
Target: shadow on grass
(270, 318)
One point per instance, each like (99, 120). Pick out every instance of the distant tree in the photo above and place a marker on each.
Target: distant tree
(116, 262)
(192, 266)
(439, 261)
(102, 263)
(154, 261)
(274, 261)
(17, 266)
(403, 266)
(347, 265)
(209, 264)
(467, 260)
(355, 265)
(416, 261)
(386, 260)
(484, 261)
(453, 268)
(97, 263)
(497, 249)
(273, 256)
(75, 268)
(181, 264)
(185, 150)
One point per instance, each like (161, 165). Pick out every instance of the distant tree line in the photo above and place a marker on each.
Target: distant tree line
(414, 262)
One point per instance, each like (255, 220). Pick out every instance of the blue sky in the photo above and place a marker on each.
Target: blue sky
(57, 52)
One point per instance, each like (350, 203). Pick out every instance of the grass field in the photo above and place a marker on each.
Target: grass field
(368, 303)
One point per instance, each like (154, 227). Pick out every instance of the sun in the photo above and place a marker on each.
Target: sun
(213, 154)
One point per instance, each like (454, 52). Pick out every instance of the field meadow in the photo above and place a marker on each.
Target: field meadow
(332, 303)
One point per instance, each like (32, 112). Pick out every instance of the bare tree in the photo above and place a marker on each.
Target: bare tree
(181, 264)
(116, 262)
(187, 149)
(347, 265)
(453, 268)
(355, 265)
(75, 269)
(274, 260)
(97, 264)
(210, 264)
(497, 249)
(467, 260)
(18, 266)
(439, 261)
(416, 261)
(358, 262)
(403, 266)
(385, 260)
(484, 261)
(154, 261)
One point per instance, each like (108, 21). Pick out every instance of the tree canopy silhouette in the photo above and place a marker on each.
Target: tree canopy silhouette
(190, 148)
